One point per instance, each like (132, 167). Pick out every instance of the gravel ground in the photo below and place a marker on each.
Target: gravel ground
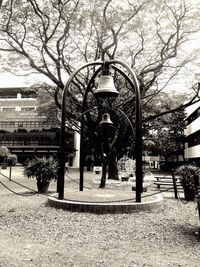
(33, 234)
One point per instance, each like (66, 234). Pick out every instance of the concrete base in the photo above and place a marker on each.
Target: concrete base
(104, 201)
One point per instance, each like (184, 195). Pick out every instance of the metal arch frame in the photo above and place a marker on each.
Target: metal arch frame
(81, 159)
(138, 137)
(61, 172)
(134, 83)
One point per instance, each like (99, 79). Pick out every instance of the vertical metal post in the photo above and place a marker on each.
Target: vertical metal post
(61, 173)
(174, 184)
(197, 192)
(139, 171)
(10, 171)
(81, 162)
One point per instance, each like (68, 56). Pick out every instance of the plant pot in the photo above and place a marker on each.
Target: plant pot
(189, 194)
(4, 166)
(42, 187)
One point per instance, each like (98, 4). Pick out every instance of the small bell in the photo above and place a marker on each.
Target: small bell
(106, 119)
(106, 88)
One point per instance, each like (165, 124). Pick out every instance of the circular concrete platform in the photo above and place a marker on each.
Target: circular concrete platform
(103, 201)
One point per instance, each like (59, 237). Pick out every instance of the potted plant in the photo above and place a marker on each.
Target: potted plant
(12, 159)
(43, 170)
(187, 174)
(4, 151)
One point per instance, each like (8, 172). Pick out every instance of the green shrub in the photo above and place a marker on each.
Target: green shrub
(12, 159)
(187, 173)
(43, 169)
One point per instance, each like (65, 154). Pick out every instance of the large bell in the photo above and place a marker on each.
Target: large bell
(106, 119)
(106, 88)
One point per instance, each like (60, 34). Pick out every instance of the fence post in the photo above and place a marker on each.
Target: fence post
(174, 184)
(197, 192)
(10, 171)
(158, 185)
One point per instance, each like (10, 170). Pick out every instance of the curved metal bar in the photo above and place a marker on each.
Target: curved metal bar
(139, 172)
(61, 173)
(127, 118)
(81, 159)
(123, 74)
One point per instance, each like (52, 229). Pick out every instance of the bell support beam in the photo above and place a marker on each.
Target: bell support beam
(81, 158)
(139, 171)
(61, 173)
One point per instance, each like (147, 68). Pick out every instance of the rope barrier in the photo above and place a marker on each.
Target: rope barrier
(16, 193)
(77, 182)
(17, 183)
(34, 191)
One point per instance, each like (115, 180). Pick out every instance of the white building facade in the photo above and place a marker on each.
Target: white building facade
(26, 133)
(192, 134)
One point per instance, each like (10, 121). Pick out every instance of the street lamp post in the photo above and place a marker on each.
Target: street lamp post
(103, 92)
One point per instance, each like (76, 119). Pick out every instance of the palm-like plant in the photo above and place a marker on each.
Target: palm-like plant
(43, 169)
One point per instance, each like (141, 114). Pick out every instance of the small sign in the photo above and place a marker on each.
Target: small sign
(97, 168)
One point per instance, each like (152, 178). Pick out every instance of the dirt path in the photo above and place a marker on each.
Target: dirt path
(35, 235)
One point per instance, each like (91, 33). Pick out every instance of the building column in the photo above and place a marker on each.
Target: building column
(77, 150)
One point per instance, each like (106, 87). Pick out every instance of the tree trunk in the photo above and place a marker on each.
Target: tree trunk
(112, 166)
(103, 177)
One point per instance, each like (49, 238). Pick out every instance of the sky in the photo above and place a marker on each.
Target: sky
(11, 80)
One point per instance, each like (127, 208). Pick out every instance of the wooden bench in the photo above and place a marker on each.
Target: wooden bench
(169, 183)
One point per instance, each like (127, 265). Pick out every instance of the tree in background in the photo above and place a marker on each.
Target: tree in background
(164, 136)
(53, 37)
(47, 105)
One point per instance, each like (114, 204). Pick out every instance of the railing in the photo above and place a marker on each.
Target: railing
(168, 182)
(29, 138)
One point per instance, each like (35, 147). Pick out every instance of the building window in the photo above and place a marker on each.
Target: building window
(7, 124)
(193, 116)
(194, 139)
